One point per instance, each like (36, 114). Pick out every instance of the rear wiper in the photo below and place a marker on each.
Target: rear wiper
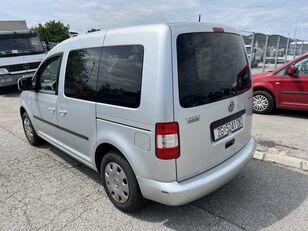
(194, 100)
(213, 96)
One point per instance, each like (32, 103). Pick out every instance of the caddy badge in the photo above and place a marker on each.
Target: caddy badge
(191, 119)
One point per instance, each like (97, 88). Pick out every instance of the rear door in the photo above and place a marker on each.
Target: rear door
(212, 98)
(76, 105)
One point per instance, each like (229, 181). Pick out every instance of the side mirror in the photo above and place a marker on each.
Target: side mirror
(291, 70)
(25, 84)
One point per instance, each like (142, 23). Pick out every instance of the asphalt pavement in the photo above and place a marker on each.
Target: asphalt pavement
(45, 189)
(283, 131)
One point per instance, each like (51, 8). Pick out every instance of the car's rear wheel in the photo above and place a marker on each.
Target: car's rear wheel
(30, 133)
(263, 102)
(120, 183)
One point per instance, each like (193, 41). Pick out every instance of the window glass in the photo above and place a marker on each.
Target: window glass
(120, 74)
(20, 44)
(81, 73)
(211, 67)
(48, 76)
(302, 67)
(281, 72)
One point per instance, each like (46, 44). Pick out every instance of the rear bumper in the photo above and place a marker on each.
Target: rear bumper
(179, 193)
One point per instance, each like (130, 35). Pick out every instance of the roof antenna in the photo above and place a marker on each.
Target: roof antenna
(199, 18)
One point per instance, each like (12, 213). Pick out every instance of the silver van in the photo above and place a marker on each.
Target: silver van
(162, 112)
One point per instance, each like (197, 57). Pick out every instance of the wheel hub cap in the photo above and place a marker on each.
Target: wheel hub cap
(260, 103)
(28, 128)
(117, 183)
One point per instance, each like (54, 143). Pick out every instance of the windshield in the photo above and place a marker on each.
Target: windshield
(20, 45)
(211, 67)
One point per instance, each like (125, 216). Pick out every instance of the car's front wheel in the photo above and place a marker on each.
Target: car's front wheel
(30, 133)
(120, 183)
(263, 102)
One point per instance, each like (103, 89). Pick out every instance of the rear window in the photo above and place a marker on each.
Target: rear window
(211, 67)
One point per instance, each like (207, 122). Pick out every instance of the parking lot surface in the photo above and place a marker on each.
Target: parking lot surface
(283, 131)
(45, 189)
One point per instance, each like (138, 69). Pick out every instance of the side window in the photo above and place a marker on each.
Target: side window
(302, 67)
(81, 74)
(282, 72)
(48, 76)
(120, 75)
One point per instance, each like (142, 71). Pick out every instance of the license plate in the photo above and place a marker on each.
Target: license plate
(227, 128)
(6, 80)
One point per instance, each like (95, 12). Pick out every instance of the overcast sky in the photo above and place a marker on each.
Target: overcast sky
(267, 16)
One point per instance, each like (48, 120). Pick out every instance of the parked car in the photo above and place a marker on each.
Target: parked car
(162, 112)
(286, 87)
(20, 54)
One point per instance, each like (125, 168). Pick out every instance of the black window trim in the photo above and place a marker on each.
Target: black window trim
(37, 76)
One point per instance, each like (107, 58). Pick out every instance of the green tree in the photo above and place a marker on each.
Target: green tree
(52, 31)
(93, 30)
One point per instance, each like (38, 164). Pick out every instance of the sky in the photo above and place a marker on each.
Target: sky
(266, 16)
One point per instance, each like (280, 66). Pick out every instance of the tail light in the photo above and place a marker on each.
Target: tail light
(243, 79)
(167, 140)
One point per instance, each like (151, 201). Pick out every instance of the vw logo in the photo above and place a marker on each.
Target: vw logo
(231, 106)
(26, 66)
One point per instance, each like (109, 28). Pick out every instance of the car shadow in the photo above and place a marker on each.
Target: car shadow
(11, 91)
(260, 196)
(69, 162)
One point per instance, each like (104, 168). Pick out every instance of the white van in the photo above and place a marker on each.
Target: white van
(297, 47)
(162, 112)
(21, 52)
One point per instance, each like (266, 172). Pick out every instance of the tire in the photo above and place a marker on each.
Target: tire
(122, 190)
(263, 102)
(30, 133)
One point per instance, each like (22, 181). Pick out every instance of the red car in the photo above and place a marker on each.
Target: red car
(286, 87)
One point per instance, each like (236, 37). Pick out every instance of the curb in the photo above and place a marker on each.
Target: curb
(288, 161)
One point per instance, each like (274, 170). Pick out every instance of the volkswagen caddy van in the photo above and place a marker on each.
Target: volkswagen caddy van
(161, 112)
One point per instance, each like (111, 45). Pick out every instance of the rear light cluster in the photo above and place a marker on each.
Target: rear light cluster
(167, 140)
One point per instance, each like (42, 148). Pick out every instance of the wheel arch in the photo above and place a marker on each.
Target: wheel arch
(102, 149)
(22, 110)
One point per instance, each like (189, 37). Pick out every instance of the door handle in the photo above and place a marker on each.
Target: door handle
(52, 109)
(62, 112)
